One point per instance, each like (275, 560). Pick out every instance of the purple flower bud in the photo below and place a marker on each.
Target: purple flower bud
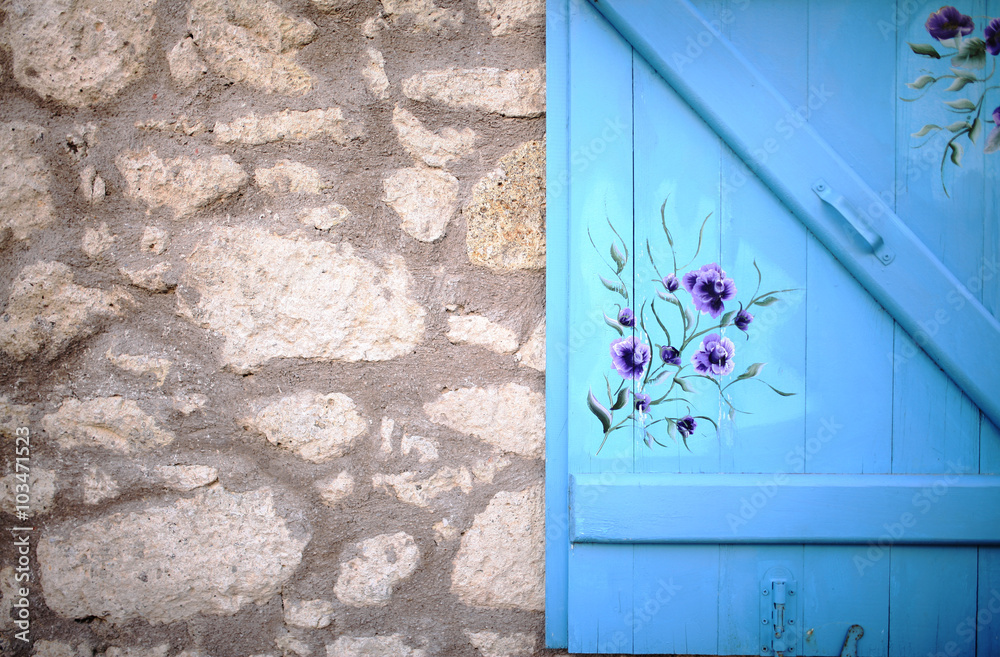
(671, 283)
(629, 357)
(947, 23)
(626, 317)
(670, 355)
(641, 402)
(992, 34)
(686, 425)
(743, 319)
(715, 356)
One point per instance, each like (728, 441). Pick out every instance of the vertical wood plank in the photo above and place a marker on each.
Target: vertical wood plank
(600, 161)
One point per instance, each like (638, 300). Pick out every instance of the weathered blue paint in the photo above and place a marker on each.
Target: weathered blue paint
(869, 401)
(785, 508)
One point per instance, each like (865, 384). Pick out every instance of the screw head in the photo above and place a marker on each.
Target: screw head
(764, 621)
(791, 621)
(766, 592)
(763, 649)
(791, 593)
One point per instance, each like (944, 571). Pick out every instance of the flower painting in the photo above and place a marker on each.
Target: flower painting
(638, 383)
(968, 56)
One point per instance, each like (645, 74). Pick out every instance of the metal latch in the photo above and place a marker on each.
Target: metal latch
(778, 613)
(851, 641)
(837, 201)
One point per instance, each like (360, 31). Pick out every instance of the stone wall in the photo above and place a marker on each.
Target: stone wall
(272, 286)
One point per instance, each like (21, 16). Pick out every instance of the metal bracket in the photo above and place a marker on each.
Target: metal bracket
(860, 226)
(779, 618)
(851, 641)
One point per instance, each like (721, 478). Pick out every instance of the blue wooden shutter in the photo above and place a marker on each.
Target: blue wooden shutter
(873, 490)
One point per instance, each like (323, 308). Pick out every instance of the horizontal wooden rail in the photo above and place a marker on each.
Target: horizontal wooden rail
(943, 509)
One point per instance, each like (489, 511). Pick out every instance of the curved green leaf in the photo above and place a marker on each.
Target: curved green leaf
(958, 84)
(976, 130)
(622, 399)
(783, 394)
(705, 417)
(615, 324)
(927, 128)
(603, 414)
(956, 153)
(684, 385)
(959, 126)
(924, 49)
(766, 301)
(751, 372)
(614, 287)
(972, 53)
(963, 104)
(619, 257)
(921, 82)
(727, 319)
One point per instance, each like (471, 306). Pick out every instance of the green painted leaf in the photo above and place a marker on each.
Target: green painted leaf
(621, 400)
(927, 128)
(958, 84)
(662, 377)
(783, 394)
(963, 104)
(684, 385)
(972, 53)
(603, 414)
(751, 372)
(727, 319)
(921, 82)
(956, 153)
(959, 126)
(767, 301)
(663, 221)
(614, 287)
(976, 131)
(619, 257)
(669, 298)
(705, 417)
(615, 324)
(924, 49)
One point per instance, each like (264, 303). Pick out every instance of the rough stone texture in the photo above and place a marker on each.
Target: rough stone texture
(316, 427)
(98, 486)
(158, 278)
(25, 199)
(325, 217)
(252, 42)
(385, 560)
(333, 306)
(208, 554)
(141, 364)
(393, 645)
(311, 614)
(422, 15)
(186, 477)
(186, 65)
(494, 644)
(42, 487)
(478, 330)
(501, 562)
(82, 52)
(426, 448)
(287, 177)
(154, 240)
(433, 149)
(374, 74)
(289, 126)
(507, 16)
(112, 423)
(510, 93)
(506, 215)
(511, 418)
(532, 352)
(182, 184)
(425, 200)
(105, 208)
(46, 311)
(97, 240)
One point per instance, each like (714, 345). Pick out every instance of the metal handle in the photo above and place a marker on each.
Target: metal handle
(851, 641)
(860, 226)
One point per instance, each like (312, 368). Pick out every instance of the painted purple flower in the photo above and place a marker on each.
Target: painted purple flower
(671, 283)
(948, 22)
(626, 317)
(709, 289)
(629, 356)
(670, 355)
(743, 319)
(715, 356)
(993, 140)
(992, 34)
(642, 402)
(686, 425)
